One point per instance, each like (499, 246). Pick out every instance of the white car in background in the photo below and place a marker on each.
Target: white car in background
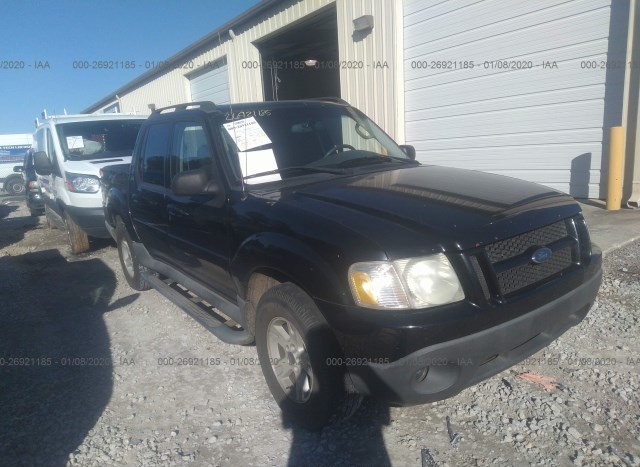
(70, 150)
(10, 181)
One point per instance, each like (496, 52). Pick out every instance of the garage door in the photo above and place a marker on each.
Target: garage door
(515, 88)
(212, 85)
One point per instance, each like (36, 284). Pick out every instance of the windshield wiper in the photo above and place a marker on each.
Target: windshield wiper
(372, 159)
(301, 168)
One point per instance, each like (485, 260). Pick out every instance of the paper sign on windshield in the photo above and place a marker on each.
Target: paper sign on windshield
(75, 142)
(247, 133)
(257, 162)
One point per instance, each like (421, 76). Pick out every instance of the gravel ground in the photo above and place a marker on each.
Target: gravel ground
(93, 373)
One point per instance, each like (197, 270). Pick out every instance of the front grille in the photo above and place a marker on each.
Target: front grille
(522, 276)
(520, 243)
(509, 261)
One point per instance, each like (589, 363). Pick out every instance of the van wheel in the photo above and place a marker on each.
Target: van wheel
(78, 239)
(14, 186)
(131, 267)
(296, 349)
(47, 215)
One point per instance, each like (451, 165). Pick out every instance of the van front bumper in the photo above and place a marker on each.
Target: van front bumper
(90, 220)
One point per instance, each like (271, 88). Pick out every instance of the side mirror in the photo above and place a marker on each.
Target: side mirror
(194, 182)
(409, 151)
(18, 168)
(41, 163)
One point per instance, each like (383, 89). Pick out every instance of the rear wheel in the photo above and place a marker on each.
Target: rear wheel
(36, 212)
(130, 265)
(14, 186)
(296, 349)
(78, 239)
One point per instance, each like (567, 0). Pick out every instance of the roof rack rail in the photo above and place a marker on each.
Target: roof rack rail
(337, 100)
(207, 106)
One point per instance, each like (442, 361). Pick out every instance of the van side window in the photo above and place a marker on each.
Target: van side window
(190, 149)
(154, 154)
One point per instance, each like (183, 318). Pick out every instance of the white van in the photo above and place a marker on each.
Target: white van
(70, 151)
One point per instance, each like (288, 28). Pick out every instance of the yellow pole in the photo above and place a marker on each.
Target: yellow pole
(614, 187)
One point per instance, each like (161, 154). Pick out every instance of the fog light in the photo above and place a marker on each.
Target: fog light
(421, 375)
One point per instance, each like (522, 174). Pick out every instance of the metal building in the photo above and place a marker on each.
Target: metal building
(525, 89)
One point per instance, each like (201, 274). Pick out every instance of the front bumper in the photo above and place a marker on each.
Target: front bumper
(454, 364)
(91, 220)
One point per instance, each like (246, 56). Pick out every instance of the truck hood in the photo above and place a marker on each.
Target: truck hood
(93, 166)
(445, 207)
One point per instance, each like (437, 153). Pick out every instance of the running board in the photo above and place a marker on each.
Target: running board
(221, 326)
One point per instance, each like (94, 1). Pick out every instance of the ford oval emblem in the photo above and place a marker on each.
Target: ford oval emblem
(541, 255)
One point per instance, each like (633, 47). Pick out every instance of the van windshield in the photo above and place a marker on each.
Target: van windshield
(98, 139)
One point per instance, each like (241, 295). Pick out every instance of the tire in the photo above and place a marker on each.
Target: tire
(128, 261)
(50, 224)
(78, 239)
(14, 186)
(290, 328)
(36, 212)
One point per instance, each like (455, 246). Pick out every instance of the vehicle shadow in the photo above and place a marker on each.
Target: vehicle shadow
(55, 360)
(357, 440)
(14, 228)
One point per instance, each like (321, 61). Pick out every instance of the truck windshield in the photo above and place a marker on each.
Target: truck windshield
(275, 143)
(98, 139)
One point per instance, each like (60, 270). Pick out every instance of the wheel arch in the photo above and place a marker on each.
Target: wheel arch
(116, 206)
(266, 260)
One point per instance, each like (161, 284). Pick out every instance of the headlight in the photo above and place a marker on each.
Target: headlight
(406, 283)
(83, 183)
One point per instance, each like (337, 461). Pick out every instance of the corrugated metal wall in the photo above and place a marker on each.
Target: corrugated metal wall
(371, 87)
(544, 124)
(166, 89)
(173, 87)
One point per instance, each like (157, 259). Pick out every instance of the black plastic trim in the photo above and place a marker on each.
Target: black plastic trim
(230, 309)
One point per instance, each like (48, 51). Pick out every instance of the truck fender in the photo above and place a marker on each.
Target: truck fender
(292, 260)
(118, 205)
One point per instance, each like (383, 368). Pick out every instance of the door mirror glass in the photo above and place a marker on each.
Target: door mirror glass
(41, 163)
(193, 182)
(409, 151)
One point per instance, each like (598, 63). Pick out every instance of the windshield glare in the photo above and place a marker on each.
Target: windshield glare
(97, 139)
(273, 140)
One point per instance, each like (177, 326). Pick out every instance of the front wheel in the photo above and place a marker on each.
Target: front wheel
(128, 260)
(78, 239)
(296, 348)
(47, 213)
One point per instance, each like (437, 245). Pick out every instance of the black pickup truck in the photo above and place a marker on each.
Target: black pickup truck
(302, 226)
